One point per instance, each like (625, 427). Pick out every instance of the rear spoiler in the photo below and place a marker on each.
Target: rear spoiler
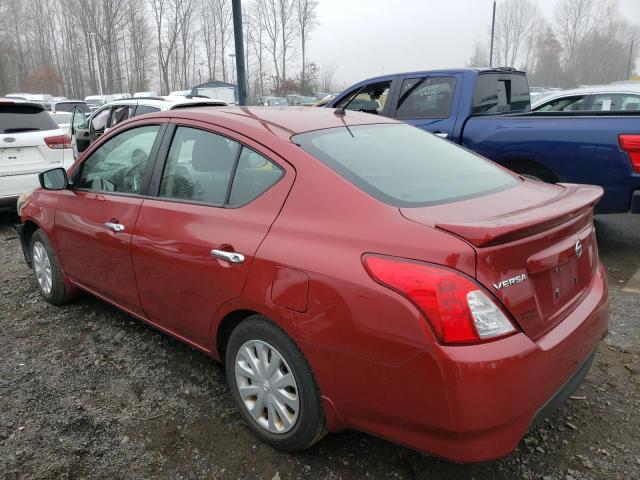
(573, 202)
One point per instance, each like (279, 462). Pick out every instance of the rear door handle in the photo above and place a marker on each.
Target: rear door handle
(114, 227)
(231, 257)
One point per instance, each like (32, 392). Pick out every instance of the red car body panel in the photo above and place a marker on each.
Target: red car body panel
(378, 363)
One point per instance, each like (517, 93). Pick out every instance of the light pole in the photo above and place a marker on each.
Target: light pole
(493, 29)
(95, 53)
(238, 39)
(630, 58)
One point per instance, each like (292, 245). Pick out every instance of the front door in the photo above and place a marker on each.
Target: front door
(79, 131)
(427, 103)
(193, 245)
(95, 219)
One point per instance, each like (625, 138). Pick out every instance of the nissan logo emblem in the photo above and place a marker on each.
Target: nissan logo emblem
(578, 249)
(9, 139)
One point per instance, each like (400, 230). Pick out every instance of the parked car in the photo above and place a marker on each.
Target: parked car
(149, 93)
(30, 142)
(351, 271)
(614, 98)
(269, 101)
(487, 111)
(180, 93)
(62, 119)
(96, 101)
(87, 129)
(68, 106)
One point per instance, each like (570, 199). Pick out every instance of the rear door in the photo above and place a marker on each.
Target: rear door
(217, 196)
(95, 219)
(23, 148)
(428, 102)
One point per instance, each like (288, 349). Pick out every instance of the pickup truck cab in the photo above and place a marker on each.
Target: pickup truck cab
(488, 111)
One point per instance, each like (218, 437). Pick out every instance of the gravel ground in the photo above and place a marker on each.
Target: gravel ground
(88, 392)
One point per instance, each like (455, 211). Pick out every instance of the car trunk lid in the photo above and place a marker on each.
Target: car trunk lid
(535, 247)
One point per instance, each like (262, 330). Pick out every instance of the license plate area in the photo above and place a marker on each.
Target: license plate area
(11, 155)
(565, 281)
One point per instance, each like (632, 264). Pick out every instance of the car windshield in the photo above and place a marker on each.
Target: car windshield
(404, 166)
(94, 103)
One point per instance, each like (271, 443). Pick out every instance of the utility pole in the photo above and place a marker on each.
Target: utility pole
(493, 29)
(238, 39)
(630, 58)
(95, 53)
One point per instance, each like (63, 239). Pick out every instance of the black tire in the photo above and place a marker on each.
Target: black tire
(310, 425)
(59, 293)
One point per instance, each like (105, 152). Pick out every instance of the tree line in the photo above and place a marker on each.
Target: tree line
(63, 47)
(586, 42)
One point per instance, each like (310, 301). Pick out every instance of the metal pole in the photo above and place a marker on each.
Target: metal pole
(630, 57)
(493, 29)
(95, 52)
(237, 36)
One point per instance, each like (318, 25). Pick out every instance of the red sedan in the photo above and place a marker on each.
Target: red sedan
(349, 270)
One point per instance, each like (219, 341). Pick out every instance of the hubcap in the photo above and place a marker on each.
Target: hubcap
(267, 386)
(42, 267)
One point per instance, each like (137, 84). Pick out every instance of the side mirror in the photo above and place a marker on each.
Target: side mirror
(54, 179)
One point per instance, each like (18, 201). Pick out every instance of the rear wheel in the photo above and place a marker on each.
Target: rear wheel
(273, 386)
(47, 270)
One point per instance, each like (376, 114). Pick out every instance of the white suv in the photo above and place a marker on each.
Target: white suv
(86, 130)
(30, 143)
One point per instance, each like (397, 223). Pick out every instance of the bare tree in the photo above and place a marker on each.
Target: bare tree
(327, 75)
(306, 13)
(516, 22)
(480, 55)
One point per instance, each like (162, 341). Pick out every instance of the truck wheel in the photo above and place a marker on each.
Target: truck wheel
(273, 386)
(47, 271)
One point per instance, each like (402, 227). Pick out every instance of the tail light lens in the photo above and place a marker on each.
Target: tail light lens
(58, 142)
(631, 145)
(458, 309)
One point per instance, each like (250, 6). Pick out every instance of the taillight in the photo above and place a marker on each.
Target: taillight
(59, 141)
(631, 145)
(457, 308)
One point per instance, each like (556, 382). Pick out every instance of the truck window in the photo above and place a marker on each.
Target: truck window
(370, 99)
(501, 93)
(429, 97)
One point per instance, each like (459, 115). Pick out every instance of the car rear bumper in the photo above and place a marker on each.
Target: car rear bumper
(13, 185)
(472, 403)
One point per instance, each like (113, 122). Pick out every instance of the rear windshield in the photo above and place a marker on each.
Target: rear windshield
(24, 118)
(501, 93)
(404, 166)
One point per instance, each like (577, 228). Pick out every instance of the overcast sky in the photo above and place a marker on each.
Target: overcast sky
(365, 38)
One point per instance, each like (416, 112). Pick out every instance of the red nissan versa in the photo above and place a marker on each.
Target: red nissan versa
(351, 271)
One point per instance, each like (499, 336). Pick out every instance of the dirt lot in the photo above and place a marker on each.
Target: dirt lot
(88, 392)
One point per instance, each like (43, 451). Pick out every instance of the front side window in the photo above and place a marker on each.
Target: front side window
(120, 113)
(404, 166)
(429, 97)
(565, 104)
(370, 98)
(118, 165)
(199, 166)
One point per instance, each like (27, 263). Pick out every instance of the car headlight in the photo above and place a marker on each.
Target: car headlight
(22, 200)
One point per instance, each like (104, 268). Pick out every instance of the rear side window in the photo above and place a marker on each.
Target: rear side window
(429, 97)
(615, 102)
(254, 175)
(501, 93)
(18, 118)
(142, 109)
(404, 166)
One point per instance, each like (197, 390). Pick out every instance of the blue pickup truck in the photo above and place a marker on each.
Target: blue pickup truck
(488, 111)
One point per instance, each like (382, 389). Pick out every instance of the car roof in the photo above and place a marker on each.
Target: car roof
(166, 103)
(16, 101)
(445, 71)
(591, 90)
(291, 120)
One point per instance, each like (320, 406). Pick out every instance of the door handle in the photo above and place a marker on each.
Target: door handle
(441, 134)
(231, 257)
(114, 227)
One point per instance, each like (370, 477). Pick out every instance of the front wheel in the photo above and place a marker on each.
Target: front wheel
(47, 270)
(273, 386)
